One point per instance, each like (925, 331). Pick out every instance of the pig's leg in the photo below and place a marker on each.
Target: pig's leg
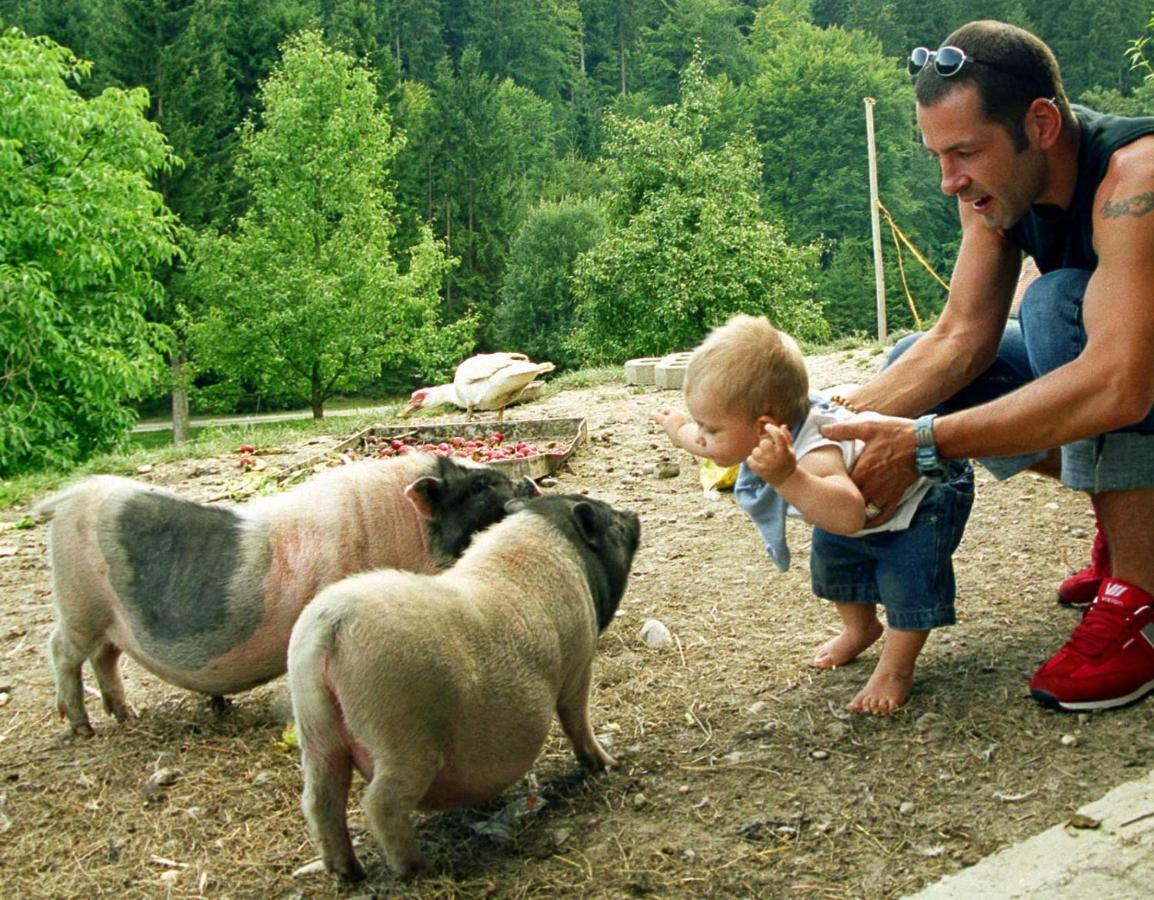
(573, 713)
(324, 802)
(397, 787)
(106, 664)
(67, 659)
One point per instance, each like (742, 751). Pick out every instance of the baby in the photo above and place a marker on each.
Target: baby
(747, 391)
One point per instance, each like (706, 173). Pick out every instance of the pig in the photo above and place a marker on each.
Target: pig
(440, 689)
(206, 597)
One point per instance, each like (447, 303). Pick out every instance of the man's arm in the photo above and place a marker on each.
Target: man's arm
(958, 348)
(964, 340)
(1109, 385)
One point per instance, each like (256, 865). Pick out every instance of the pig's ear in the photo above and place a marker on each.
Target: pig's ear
(527, 487)
(516, 504)
(586, 518)
(425, 494)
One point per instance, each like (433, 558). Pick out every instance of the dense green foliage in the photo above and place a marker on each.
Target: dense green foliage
(523, 135)
(537, 309)
(686, 246)
(307, 293)
(81, 231)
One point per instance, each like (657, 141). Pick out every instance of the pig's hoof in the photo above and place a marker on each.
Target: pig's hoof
(348, 872)
(123, 714)
(81, 730)
(595, 765)
(409, 868)
(220, 706)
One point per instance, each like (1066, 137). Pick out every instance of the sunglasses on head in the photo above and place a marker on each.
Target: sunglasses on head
(947, 60)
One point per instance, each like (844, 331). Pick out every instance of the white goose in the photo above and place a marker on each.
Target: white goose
(482, 382)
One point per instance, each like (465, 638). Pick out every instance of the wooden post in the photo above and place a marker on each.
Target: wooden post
(875, 221)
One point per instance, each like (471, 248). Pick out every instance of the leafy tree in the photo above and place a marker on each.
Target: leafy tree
(719, 25)
(686, 246)
(70, 23)
(486, 144)
(81, 230)
(307, 293)
(536, 312)
(816, 166)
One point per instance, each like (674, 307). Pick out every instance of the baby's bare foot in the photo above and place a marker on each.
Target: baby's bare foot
(884, 693)
(847, 646)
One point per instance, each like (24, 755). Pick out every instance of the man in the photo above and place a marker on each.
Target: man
(1075, 190)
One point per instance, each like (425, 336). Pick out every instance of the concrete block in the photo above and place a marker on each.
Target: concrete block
(640, 371)
(669, 373)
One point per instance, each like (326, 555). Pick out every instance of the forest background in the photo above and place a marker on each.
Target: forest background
(250, 204)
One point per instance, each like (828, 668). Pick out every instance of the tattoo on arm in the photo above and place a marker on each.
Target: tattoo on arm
(1138, 205)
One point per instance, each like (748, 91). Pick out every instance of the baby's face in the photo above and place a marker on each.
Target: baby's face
(725, 437)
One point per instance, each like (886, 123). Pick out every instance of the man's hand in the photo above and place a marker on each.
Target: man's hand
(885, 467)
(773, 459)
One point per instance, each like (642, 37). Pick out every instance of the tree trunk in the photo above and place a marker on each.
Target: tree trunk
(179, 398)
(316, 400)
(621, 58)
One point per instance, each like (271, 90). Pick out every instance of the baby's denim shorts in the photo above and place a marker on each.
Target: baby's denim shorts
(910, 572)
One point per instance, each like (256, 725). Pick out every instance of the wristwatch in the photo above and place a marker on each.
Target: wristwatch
(926, 457)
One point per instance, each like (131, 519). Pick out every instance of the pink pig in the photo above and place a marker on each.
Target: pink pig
(206, 597)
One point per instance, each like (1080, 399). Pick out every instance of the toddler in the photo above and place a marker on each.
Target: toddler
(747, 391)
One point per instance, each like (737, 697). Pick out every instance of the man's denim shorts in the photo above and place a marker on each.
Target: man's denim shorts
(910, 572)
(1050, 333)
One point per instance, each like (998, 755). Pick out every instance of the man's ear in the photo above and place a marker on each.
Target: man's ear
(1044, 122)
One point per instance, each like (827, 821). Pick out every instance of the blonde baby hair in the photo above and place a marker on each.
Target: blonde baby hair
(750, 368)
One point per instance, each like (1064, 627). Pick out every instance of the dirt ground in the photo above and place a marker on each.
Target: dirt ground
(739, 772)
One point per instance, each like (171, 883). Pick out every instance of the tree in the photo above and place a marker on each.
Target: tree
(307, 294)
(716, 24)
(484, 145)
(686, 246)
(536, 312)
(815, 166)
(81, 231)
(533, 42)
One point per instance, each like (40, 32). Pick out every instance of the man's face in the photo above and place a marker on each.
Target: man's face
(980, 164)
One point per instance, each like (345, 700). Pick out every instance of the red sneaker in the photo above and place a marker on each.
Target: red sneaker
(1108, 660)
(1080, 589)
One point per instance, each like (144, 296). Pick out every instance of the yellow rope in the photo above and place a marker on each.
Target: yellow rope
(898, 234)
(913, 249)
(902, 272)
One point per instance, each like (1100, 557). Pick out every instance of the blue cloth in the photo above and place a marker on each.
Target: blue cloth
(910, 572)
(767, 509)
(1050, 333)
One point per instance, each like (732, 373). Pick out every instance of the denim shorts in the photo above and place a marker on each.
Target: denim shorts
(1050, 333)
(910, 572)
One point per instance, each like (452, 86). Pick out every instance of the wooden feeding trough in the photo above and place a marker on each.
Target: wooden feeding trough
(552, 440)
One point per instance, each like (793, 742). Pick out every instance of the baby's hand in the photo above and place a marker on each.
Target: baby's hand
(773, 459)
(670, 419)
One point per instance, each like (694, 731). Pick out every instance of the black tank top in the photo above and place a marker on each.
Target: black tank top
(1066, 240)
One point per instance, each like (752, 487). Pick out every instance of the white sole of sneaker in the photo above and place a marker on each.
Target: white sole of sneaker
(1052, 702)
